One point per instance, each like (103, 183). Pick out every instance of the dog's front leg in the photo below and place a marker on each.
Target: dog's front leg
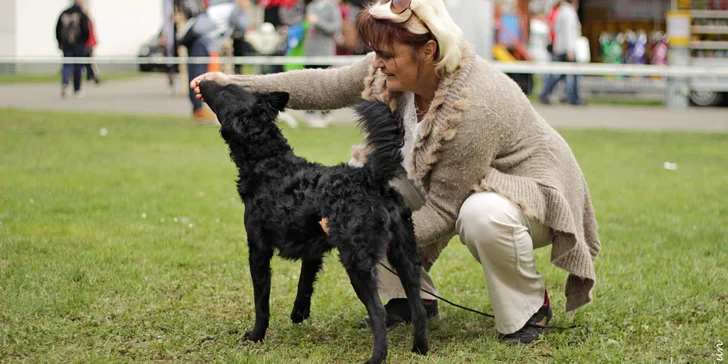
(259, 259)
(302, 305)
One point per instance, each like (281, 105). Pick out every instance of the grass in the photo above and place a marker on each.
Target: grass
(130, 247)
(6, 79)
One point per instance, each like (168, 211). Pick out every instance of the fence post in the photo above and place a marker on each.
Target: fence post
(678, 37)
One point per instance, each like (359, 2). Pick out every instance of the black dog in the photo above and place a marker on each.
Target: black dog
(286, 196)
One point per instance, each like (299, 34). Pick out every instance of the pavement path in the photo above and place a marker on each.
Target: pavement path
(151, 95)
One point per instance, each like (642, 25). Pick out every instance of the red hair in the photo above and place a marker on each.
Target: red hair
(379, 34)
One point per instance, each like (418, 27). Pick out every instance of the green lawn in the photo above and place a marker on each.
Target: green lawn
(131, 247)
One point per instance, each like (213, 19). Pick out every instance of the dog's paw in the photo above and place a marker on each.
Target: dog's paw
(254, 337)
(298, 315)
(421, 349)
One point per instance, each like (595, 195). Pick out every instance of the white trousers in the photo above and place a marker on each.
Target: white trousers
(502, 239)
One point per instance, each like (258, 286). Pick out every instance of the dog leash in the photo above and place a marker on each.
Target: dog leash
(561, 328)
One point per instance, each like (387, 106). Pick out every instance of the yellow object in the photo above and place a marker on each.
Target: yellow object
(500, 53)
(678, 28)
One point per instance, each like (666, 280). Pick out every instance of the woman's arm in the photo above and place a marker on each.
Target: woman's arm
(314, 89)
(462, 163)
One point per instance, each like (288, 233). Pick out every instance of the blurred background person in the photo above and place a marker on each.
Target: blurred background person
(349, 43)
(539, 38)
(206, 35)
(72, 32)
(280, 14)
(241, 48)
(167, 38)
(324, 25)
(191, 8)
(550, 19)
(295, 35)
(92, 69)
(567, 30)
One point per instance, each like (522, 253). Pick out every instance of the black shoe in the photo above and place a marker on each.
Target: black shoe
(398, 312)
(531, 331)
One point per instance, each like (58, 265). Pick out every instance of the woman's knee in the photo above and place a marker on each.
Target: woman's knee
(486, 218)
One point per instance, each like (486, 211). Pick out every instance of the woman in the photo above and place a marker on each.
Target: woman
(480, 162)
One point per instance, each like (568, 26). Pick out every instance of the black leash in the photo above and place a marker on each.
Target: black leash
(489, 315)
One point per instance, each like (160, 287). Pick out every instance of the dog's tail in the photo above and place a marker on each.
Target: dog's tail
(384, 131)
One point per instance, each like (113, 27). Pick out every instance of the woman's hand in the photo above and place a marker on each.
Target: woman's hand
(324, 222)
(219, 77)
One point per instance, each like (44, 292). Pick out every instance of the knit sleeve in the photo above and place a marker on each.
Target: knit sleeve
(314, 89)
(460, 165)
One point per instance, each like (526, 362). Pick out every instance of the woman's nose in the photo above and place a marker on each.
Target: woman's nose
(378, 63)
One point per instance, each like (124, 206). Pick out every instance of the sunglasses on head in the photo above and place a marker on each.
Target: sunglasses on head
(399, 6)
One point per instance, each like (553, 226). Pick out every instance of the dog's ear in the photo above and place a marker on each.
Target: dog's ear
(278, 100)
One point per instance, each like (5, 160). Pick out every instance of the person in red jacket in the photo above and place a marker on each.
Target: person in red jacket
(551, 20)
(92, 69)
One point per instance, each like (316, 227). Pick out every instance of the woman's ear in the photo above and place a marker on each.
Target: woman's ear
(429, 50)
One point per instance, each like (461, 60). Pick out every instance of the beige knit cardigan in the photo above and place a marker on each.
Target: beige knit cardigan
(480, 134)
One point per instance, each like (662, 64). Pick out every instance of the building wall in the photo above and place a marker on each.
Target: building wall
(120, 26)
(7, 29)
(476, 20)
(7, 36)
(35, 26)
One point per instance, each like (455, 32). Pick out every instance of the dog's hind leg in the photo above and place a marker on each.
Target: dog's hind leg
(403, 256)
(359, 255)
(302, 305)
(365, 285)
(259, 260)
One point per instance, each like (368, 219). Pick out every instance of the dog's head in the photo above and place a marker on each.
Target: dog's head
(247, 120)
(231, 100)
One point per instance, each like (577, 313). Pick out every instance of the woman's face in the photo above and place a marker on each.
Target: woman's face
(399, 65)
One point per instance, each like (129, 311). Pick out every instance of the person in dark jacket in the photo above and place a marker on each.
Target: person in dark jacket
(72, 32)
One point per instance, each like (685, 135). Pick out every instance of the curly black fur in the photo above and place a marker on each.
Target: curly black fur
(285, 196)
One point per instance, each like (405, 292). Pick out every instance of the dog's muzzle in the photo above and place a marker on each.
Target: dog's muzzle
(209, 90)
